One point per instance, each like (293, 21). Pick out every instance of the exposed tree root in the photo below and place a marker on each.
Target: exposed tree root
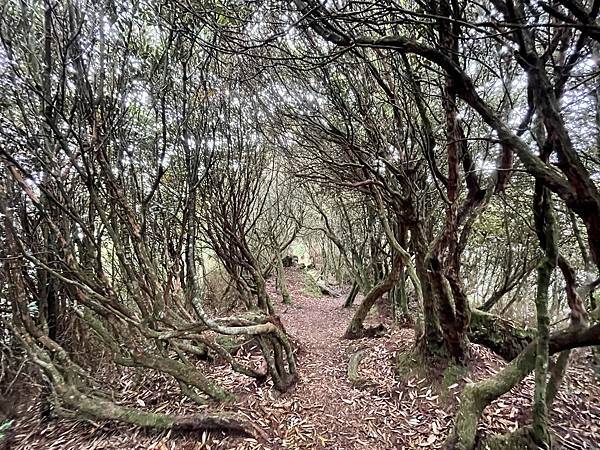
(370, 332)
(97, 407)
(70, 394)
(353, 365)
(519, 440)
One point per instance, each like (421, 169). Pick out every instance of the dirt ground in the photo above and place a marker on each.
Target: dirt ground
(324, 409)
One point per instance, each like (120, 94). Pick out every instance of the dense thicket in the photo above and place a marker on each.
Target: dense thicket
(442, 154)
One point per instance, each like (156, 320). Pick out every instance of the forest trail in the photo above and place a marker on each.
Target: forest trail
(328, 411)
(324, 394)
(324, 410)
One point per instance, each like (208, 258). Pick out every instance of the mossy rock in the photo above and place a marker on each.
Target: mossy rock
(311, 287)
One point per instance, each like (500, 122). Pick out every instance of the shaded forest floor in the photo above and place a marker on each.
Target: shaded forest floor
(409, 409)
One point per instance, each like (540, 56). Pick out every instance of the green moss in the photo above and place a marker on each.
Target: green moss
(230, 343)
(410, 365)
(519, 440)
(452, 375)
(373, 312)
(310, 285)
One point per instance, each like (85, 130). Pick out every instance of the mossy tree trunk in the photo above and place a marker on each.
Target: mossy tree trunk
(356, 329)
(399, 300)
(281, 281)
(452, 308)
(431, 342)
(541, 434)
(545, 226)
(477, 396)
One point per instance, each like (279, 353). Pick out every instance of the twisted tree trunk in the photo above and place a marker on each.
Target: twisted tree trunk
(352, 295)
(356, 329)
(477, 396)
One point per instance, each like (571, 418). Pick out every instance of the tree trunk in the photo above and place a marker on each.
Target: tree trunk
(400, 302)
(352, 295)
(281, 281)
(431, 343)
(477, 396)
(541, 435)
(498, 334)
(355, 329)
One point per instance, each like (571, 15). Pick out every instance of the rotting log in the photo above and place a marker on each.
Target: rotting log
(326, 289)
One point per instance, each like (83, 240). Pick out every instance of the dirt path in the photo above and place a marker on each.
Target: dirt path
(324, 393)
(324, 410)
(327, 410)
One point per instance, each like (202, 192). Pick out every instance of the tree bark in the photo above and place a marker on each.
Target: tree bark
(356, 329)
(477, 396)
(352, 295)
(281, 281)
(400, 302)
(431, 342)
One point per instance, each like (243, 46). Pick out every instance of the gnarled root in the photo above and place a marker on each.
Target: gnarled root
(353, 365)
(362, 332)
(96, 407)
(69, 394)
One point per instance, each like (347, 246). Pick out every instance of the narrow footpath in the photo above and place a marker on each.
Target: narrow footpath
(324, 410)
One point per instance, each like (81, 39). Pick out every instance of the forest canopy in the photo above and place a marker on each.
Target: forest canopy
(179, 181)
